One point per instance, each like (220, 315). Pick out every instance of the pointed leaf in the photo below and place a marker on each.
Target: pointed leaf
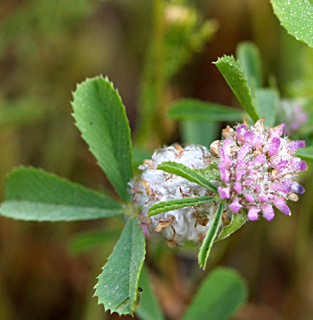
(221, 294)
(117, 287)
(169, 205)
(250, 59)
(100, 116)
(267, 101)
(210, 173)
(208, 241)
(305, 153)
(238, 220)
(149, 308)
(192, 109)
(296, 17)
(232, 72)
(187, 173)
(35, 195)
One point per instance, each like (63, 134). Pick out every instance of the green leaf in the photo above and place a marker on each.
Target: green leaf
(117, 287)
(187, 173)
(250, 59)
(199, 132)
(221, 294)
(169, 205)
(267, 101)
(192, 109)
(305, 153)
(87, 240)
(238, 220)
(149, 308)
(101, 118)
(211, 172)
(35, 195)
(232, 72)
(207, 243)
(296, 17)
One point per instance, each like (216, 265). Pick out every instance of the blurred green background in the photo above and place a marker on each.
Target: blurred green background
(46, 47)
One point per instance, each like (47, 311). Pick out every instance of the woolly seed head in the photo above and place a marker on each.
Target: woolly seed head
(154, 186)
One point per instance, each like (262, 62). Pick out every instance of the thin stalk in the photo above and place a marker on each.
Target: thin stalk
(151, 95)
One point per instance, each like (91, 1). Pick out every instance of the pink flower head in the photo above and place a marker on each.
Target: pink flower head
(258, 169)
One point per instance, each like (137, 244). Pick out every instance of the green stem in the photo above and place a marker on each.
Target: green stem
(151, 97)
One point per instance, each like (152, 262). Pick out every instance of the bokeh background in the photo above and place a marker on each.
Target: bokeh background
(47, 271)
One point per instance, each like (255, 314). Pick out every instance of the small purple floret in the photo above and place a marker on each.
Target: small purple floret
(240, 131)
(268, 212)
(295, 145)
(278, 132)
(239, 174)
(235, 206)
(281, 187)
(225, 153)
(297, 188)
(280, 204)
(274, 146)
(263, 198)
(260, 159)
(249, 197)
(281, 165)
(240, 164)
(258, 144)
(225, 174)
(249, 137)
(224, 193)
(237, 187)
(299, 166)
(253, 214)
(243, 151)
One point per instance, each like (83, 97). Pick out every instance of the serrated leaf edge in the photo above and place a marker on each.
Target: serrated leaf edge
(137, 283)
(78, 85)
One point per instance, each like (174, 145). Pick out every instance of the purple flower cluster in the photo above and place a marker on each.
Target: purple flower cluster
(258, 169)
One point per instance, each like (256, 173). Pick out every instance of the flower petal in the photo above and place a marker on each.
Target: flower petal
(280, 204)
